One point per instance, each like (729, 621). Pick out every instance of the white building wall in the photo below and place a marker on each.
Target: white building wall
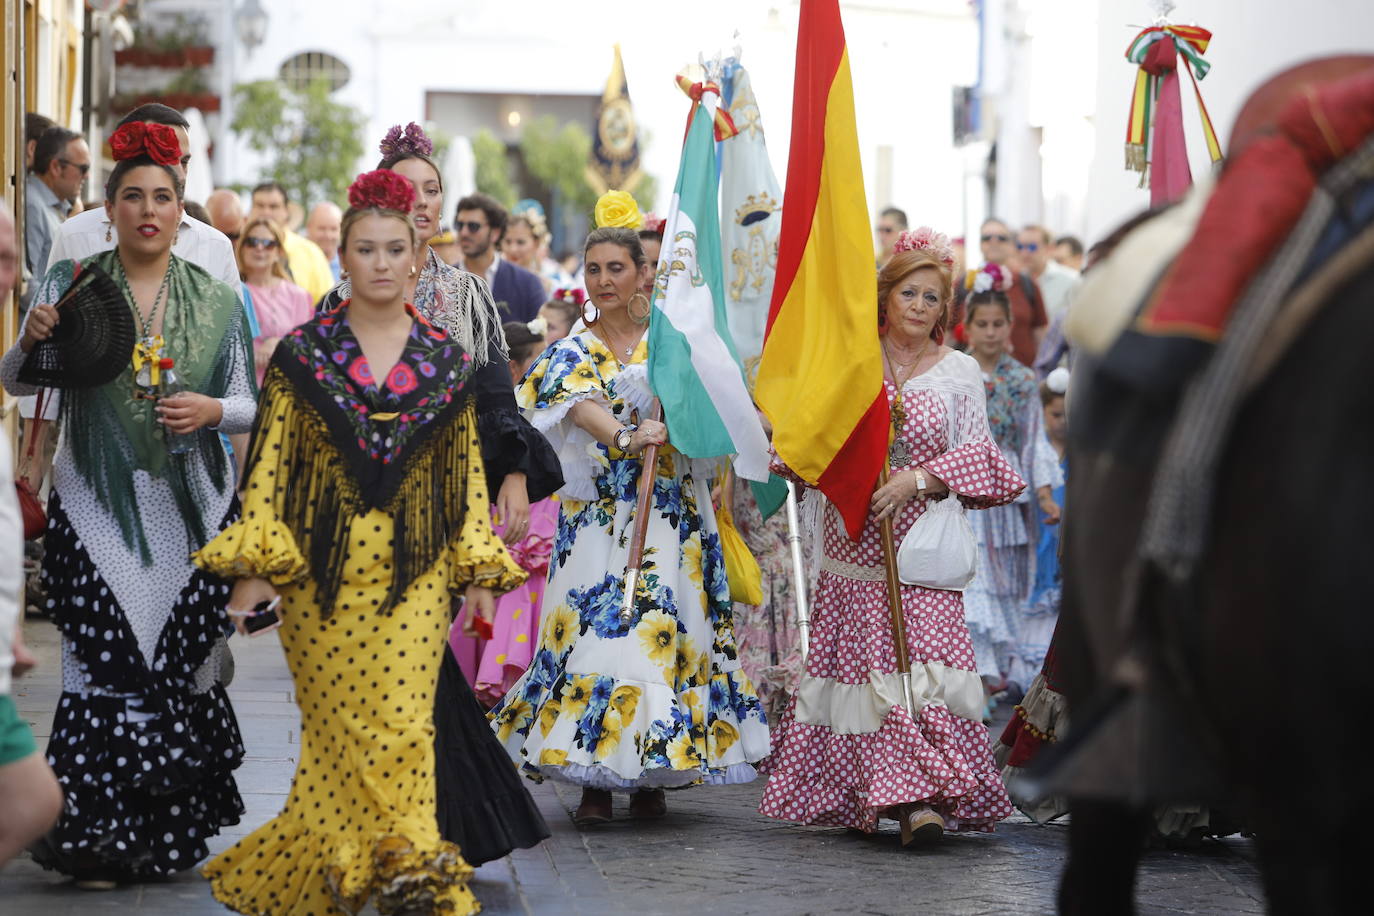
(1252, 41)
(906, 55)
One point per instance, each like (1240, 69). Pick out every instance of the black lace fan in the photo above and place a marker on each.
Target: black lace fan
(93, 340)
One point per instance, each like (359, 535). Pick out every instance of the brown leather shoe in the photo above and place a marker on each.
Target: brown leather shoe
(647, 804)
(594, 809)
(921, 826)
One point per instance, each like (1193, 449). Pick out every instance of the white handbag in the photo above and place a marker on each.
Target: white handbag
(940, 550)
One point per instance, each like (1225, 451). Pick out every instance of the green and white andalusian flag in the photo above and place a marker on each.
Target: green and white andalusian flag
(694, 369)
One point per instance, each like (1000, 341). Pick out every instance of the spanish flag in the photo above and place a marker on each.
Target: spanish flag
(820, 379)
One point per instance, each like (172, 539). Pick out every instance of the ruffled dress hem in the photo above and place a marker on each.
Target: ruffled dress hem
(706, 734)
(821, 777)
(397, 876)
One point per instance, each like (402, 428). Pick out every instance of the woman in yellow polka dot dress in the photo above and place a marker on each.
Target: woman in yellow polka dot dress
(366, 510)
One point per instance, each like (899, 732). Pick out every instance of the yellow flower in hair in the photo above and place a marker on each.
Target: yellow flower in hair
(618, 208)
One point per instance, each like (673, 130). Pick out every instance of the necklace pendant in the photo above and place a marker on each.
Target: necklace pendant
(898, 453)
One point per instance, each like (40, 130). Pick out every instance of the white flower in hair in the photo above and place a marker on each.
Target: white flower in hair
(1058, 380)
(538, 327)
(992, 277)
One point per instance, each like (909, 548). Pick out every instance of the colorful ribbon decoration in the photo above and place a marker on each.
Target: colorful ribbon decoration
(1155, 51)
(725, 125)
(148, 355)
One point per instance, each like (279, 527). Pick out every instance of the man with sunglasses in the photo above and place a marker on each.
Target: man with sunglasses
(891, 223)
(60, 163)
(1029, 320)
(480, 221)
(1056, 282)
(91, 231)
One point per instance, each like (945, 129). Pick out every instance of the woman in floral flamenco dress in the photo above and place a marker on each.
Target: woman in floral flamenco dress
(659, 701)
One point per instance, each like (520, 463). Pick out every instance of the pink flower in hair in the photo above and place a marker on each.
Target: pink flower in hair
(925, 238)
(411, 140)
(992, 277)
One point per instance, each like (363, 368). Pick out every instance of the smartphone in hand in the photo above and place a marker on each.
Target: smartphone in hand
(262, 618)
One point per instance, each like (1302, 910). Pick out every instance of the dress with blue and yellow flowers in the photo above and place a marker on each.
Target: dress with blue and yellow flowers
(660, 701)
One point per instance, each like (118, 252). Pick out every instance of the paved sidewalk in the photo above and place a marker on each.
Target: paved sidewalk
(713, 854)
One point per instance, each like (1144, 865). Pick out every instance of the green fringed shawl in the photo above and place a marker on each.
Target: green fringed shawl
(111, 433)
(346, 450)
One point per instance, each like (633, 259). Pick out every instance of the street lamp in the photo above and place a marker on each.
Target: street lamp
(251, 23)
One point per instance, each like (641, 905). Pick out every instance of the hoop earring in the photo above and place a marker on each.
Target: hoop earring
(595, 318)
(648, 309)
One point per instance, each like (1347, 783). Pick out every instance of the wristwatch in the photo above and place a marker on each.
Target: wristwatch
(920, 483)
(623, 436)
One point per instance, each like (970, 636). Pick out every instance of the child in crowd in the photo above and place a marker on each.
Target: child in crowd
(493, 662)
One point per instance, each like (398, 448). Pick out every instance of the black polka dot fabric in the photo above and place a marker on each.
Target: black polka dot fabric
(145, 760)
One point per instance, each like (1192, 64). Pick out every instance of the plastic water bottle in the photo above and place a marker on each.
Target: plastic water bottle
(177, 443)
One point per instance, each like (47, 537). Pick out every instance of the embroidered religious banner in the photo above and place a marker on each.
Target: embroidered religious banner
(615, 146)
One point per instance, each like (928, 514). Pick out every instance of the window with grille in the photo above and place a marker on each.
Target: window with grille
(302, 69)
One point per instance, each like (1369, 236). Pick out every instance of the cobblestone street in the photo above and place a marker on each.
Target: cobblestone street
(713, 854)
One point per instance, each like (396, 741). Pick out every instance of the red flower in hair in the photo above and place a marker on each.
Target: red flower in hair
(654, 223)
(383, 189)
(144, 138)
(572, 294)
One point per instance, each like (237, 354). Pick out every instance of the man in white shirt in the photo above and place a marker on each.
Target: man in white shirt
(1056, 282)
(91, 232)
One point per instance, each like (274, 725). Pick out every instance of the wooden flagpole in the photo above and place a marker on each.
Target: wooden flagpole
(642, 507)
(894, 601)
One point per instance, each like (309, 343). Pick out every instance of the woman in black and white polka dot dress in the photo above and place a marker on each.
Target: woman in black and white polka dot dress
(144, 741)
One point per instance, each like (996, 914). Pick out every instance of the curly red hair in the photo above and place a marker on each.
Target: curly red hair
(902, 265)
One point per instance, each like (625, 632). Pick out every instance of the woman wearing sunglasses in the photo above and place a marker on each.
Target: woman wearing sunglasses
(280, 305)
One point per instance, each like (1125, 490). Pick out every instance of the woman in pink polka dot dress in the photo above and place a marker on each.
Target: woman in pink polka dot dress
(847, 752)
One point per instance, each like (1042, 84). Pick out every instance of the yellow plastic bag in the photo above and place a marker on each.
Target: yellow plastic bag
(741, 569)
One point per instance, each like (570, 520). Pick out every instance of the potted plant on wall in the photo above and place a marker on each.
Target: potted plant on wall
(188, 90)
(183, 44)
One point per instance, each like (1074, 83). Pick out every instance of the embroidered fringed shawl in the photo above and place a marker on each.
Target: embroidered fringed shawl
(355, 443)
(111, 433)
